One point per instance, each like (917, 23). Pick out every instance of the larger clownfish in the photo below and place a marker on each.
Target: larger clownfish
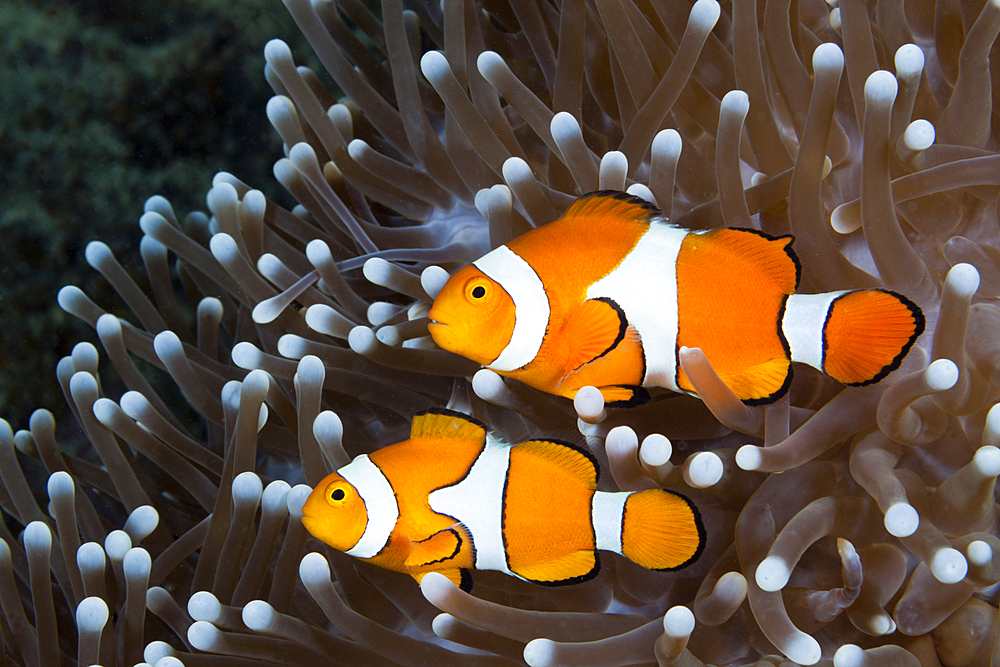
(453, 498)
(610, 292)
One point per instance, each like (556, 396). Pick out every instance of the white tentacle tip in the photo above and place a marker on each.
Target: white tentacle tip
(748, 457)
(963, 279)
(919, 135)
(849, 655)
(678, 622)
(433, 279)
(949, 566)
(803, 649)
(436, 588)
(901, 520)
(941, 375)
(258, 615)
(987, 461)
(434, 66)
(828, 56)
(772, 574)
(92, 615)
(563, 127)
(276, 49)
(362, 340)
(589, 405)
(703, 470)
(540, 653)
(881, 88)
(909, 61)
(705, 14)
(314, 569)
(979, 553)
(736, 102)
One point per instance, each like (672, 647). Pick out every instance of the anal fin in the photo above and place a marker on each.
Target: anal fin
(573, 568)
(759, 384)
(459, 576)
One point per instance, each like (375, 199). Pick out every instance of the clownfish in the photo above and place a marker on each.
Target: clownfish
(453, 498)
(609, 293)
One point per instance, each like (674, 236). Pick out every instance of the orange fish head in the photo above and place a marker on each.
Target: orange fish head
(472, 316)
(335, 513)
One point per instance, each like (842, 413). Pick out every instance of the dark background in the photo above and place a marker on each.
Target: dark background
(102, 105)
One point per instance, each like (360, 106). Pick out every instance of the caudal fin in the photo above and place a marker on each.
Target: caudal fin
(867, 334)
(661, 530)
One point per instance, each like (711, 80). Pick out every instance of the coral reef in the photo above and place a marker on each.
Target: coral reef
(848, 526)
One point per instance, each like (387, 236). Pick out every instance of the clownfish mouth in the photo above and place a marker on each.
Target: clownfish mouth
(440, 333)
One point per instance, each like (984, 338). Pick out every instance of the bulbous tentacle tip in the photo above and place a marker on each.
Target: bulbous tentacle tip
(258, 615)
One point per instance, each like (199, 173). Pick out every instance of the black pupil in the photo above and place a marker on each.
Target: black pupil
(478, 292)
(338, 494)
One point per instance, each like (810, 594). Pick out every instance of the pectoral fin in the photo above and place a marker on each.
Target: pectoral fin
(596, 328)
(440, 547)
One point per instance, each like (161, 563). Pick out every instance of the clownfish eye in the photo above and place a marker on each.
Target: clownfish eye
(336, 494)
(478, 290)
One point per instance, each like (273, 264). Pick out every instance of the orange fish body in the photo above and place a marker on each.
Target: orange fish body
(452, 498)
(608, 294)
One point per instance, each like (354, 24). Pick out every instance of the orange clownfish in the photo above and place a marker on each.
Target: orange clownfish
(453, 498)
(610, 292)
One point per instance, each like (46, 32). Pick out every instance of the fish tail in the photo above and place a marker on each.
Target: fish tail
(856, 337)
(867, 333)
(661, 530)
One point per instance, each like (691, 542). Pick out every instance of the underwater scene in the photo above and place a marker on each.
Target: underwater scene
(604, 333)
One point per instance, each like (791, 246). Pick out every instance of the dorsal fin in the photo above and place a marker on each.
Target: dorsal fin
(442, 423)
(610, 203)
(772, 254)
(577, 461)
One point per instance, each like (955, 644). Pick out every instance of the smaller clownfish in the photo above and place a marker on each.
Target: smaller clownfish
(608, 294)
(453, 498)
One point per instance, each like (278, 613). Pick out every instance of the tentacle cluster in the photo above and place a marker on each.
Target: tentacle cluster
(851, 526)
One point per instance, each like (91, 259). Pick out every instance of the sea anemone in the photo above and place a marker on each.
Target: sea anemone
(852, 526)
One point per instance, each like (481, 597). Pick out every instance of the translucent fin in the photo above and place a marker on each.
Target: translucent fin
(662, 530)
(572, 568)
(441, 423)
(867, 334)
(576, 461)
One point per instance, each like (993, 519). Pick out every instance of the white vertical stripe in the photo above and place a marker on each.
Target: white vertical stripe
(644, 284)
(802, 324)
(477, 502)
(606, 515)
(380, 501)
(531, 305)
